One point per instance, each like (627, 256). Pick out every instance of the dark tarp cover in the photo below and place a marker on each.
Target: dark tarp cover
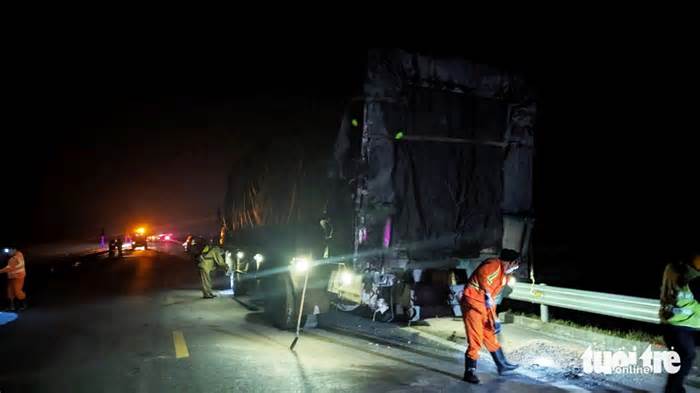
(442, 189)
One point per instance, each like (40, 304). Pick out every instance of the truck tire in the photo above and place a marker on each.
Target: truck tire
(280, 304)
(241, 284)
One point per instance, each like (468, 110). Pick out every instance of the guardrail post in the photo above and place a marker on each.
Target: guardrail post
(544, 313)
(544, 310)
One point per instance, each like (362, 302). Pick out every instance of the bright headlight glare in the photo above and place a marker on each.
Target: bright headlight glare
(258, 258)
(512, 280)
(301, 264)
(240, 254)
(346, 278)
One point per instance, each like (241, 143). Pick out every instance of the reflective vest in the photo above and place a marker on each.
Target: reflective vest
(16, 265)
(685, 312)
(489, 278)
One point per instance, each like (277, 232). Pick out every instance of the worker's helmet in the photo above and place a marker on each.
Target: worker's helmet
(510, 258)
(509, 255)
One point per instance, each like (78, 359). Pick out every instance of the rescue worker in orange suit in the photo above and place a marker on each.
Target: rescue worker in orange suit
(479, 311)
(15, 280)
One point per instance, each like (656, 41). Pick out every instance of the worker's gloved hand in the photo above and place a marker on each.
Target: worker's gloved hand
(681, 311)
(497, 327)
(489, 301)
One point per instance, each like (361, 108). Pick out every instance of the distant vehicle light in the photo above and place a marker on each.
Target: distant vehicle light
(6, 250)
(512, 280)
(258, 258)
(140, 230)
(346, 278)
(240, 255)
(301, 264)
(167, 237)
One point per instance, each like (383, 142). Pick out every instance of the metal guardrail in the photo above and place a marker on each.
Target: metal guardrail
(620, 306)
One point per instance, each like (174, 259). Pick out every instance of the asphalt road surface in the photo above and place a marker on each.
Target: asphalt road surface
(139, 324)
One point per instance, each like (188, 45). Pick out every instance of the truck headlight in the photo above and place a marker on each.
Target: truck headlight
(301, 264)
(346, 278)
(258, 258)
(240, 255)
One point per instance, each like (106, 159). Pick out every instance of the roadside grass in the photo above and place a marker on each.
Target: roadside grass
(634, 335)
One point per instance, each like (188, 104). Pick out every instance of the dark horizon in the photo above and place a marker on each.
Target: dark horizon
(153, 142)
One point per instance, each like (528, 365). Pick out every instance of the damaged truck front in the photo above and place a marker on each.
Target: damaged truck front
(432, 173)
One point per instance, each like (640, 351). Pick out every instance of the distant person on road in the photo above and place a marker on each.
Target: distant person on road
(116, 247)
(15, 280)
(479, 312)
(210, 258)
(680, 316)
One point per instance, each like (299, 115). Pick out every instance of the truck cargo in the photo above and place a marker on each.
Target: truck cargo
(431, 172)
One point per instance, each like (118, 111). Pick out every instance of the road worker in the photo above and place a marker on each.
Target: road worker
(680, 316)
(479, 311)
(15, 280)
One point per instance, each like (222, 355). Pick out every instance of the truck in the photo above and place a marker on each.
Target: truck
(430, 173)
(139, 238)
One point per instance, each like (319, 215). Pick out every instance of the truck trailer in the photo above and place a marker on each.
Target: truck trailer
(431, 172)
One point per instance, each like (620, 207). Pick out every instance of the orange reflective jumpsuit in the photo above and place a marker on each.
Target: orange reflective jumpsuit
(479, 322)
(15, 274)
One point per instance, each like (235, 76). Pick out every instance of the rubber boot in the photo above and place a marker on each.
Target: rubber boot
(470, 371)
(505, 361)
(11, 305)
(501, 363)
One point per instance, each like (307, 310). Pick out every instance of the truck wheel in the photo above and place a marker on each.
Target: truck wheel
(279, 305)
(241, 284)
(387, 316)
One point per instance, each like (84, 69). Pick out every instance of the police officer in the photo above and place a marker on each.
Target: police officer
(210, 258)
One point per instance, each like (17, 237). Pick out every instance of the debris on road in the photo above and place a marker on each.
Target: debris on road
(545, 356)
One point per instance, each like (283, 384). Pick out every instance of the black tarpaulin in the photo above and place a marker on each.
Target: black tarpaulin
(464, 160)
(450, 193)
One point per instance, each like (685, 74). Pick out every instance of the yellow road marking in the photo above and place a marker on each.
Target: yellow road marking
(180, 345)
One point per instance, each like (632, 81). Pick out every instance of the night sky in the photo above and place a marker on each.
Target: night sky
(139, 137)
